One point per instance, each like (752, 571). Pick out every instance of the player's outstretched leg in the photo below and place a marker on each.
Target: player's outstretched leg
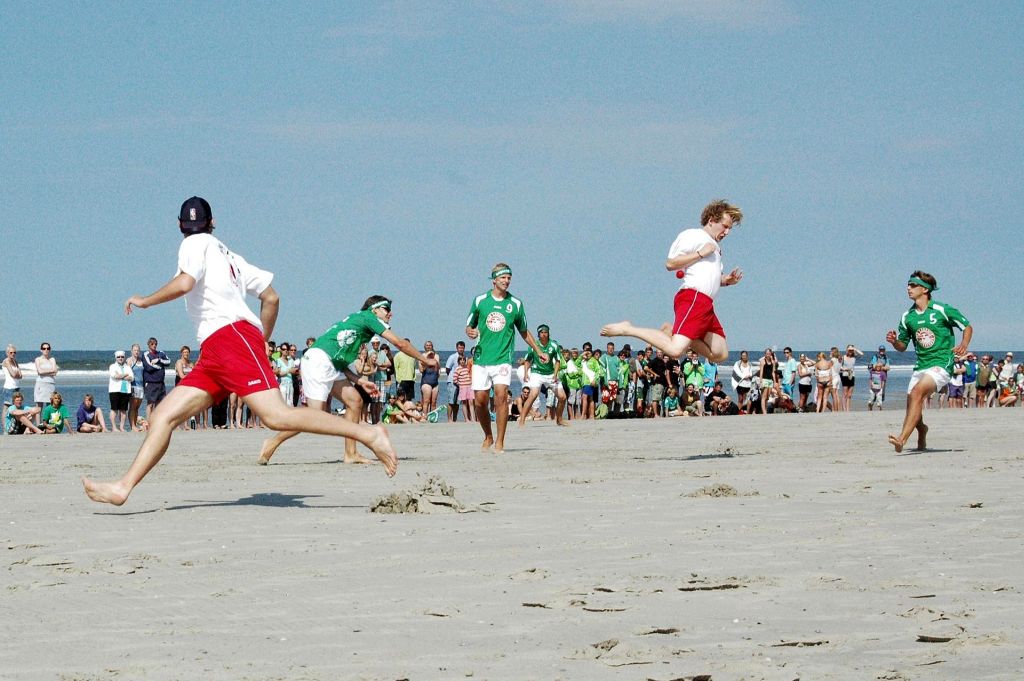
(179, 405)
(273, 412)
(672, 345)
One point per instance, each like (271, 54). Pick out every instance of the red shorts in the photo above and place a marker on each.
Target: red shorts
(695, 315)
(232, 360)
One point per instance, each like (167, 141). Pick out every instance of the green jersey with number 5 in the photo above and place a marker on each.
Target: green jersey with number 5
(932, 333)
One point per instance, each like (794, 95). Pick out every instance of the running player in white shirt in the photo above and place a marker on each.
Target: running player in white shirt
(214, 282)
(695, 255)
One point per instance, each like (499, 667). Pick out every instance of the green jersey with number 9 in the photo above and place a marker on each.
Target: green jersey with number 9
(497, 321)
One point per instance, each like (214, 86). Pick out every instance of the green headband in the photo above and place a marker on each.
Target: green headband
(497, 273)
(921, 282)
(381, 303)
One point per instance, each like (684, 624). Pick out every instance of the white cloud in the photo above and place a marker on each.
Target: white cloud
(738, 14)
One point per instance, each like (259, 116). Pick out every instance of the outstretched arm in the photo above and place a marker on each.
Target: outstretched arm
(404, 346)
(172, 290)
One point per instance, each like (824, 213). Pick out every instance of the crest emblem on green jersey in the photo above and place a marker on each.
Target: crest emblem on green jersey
(924, 337)
(496, 321)
(346, 337)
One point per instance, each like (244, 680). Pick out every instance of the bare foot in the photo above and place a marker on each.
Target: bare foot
(896, 443)
(922, 436)
(486, 446)
(380, 444)
(499, 449)
(618, 329)
(356, 457)
(266, 452)
(563, 423)
(115, 493)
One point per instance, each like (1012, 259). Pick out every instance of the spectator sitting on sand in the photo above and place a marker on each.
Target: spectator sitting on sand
(18, 418)
(90, 417)
(55, 416)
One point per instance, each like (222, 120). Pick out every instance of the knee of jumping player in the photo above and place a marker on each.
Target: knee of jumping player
(279, 418)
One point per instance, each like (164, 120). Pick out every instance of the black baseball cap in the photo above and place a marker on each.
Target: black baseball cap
(195, 216)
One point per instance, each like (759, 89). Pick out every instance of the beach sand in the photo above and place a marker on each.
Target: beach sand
(760, 547)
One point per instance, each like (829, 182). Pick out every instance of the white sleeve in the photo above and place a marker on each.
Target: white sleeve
(192, 257)
(254, 280)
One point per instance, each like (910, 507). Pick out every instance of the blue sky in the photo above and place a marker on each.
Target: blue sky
(404, 147)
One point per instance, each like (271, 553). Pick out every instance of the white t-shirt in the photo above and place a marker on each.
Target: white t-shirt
(222, 279)
(705, 275)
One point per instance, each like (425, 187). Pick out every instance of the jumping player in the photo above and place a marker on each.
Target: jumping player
(214, 282)
(494, 318)
(327, 369)
(537, 374)
(696, 254)
(930, 325)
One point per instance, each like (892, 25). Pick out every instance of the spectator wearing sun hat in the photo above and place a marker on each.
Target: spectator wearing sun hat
(119, 387)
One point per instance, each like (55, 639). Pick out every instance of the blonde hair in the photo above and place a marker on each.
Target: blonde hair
(716, 209)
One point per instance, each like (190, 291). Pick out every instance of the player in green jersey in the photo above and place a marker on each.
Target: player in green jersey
(929, 324)
(327, 369)
(537, 373)
(493, 320)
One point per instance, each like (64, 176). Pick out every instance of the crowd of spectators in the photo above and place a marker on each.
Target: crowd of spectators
(613, 383)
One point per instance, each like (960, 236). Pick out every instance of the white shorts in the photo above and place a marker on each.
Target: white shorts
(484, 377)
(137, 392)
(938, 374)
(538, 380)
(319, 375)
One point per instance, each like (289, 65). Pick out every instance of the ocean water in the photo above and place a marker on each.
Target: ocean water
(84, 371)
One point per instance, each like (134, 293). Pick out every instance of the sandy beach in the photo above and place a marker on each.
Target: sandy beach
(761, 547)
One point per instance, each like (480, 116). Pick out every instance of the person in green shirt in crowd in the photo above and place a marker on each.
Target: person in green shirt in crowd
(537, 374)
(572, 381)
(54, 418)
(327, 370)
(693, 370)
(929, 324)
(494, 317)
(593, 372)
(405, 372)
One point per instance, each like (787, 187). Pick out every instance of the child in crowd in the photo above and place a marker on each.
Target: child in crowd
(393, 412)
(463, 379)
(672, 403)
(875, 390)
(410, 409)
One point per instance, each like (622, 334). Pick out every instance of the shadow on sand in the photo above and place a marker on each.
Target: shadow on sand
(269, 499)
